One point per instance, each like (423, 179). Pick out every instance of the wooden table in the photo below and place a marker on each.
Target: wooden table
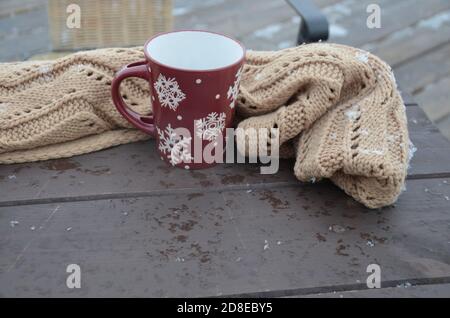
(139, 228)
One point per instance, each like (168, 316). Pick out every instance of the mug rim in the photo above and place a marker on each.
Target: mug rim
(149, 58)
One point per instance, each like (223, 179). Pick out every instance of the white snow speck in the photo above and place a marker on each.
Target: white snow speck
(217, 96)
(447, 198)
(353, 113)
(179, 117)
(13, 223)
(180, 11)
(362, 56)
(45, 68)
(69, 229)
(266, 245)
(435, 22)
(377, 152)
(411, 151)
(179, 259)
(11, 177)
(338, 31)
(296, 19)
(279, 243)
(32, 228)
(404, 285)
(268, 32)
(336, 228)
(394, 79)
(370, 243)
(186, 167)
(238, 259)
(404, 187)
(284, 45)
(313, 179)
(3, 107)
(391, 138)
(249, 191)
(341, 8)
(198, 81)
(364, 132)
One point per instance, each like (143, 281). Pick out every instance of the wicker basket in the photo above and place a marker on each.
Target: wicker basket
(108, 23)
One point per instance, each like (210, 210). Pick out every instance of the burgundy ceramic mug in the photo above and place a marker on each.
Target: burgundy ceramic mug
(194, 81)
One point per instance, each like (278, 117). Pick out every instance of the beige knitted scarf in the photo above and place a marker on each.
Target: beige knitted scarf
(337, 108)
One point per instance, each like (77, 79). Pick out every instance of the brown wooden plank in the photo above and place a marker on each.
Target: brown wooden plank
(435, 99)
(413, 41)
(135, 169)
(425, 70)
(231, 17)
(404, 290)
(283, 33)
(444, 126)
(408, 99)
(277, 242)
(393, 19)
(14, 7)
(348, 25)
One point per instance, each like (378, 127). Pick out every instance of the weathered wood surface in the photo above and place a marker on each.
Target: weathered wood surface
(139, 228)
(402, 290)
(267, 242)
(157, 231)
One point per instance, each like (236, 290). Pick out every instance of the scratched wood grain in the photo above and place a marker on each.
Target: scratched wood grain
(267, 242)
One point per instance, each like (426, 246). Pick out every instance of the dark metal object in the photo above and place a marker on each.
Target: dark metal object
(314, 26)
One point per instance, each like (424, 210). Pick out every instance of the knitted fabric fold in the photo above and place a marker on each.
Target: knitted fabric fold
(337, 109)
(339, 114)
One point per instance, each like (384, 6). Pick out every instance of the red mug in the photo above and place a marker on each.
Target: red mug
(194, 81)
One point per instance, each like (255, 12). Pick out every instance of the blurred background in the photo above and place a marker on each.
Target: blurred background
(414, 36)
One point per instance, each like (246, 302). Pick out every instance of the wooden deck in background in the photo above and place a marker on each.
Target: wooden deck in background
(414, 38)
(155, 231)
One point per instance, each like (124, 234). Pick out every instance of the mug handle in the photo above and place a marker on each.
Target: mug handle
(140, 70)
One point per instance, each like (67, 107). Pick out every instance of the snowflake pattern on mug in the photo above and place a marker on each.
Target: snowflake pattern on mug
(177, 148)
(233, 91)
(169, 92)
(210, 127)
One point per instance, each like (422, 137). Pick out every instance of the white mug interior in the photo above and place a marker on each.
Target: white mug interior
(195, 50)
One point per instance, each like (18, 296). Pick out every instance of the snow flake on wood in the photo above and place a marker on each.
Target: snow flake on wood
(210, 127)
(176, 147)
(169, 92)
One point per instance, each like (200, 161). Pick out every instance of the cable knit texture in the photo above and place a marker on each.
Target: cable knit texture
(337, 108)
